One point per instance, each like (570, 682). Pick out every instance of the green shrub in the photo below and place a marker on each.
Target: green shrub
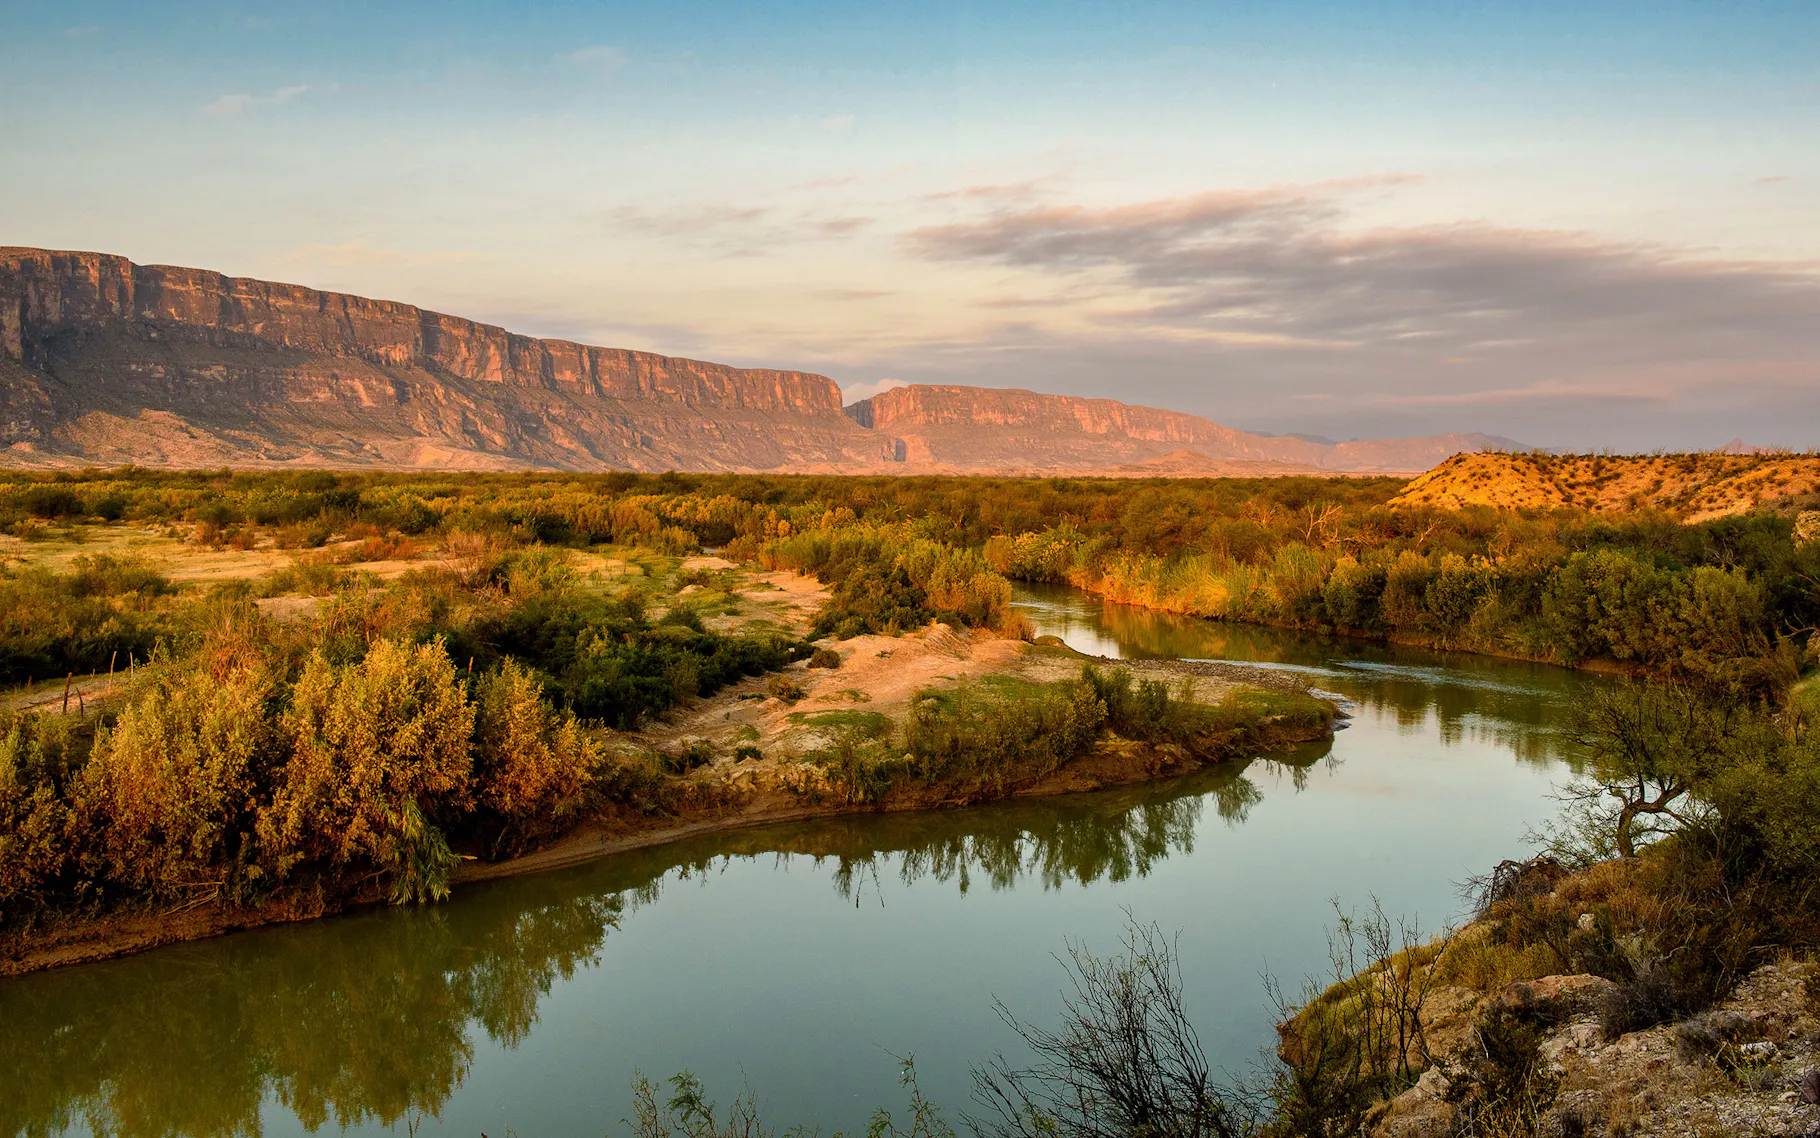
(38, 834)
(380, 752)
(967, 731)
(531, 766)
(170, 791)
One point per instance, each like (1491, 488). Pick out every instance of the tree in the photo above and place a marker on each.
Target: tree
(1125, 1063)
(1650, 748)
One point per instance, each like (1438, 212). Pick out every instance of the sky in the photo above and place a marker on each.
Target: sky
(1590, 225)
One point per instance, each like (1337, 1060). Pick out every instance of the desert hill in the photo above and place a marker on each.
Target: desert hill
(1694, 486)
(106, 361)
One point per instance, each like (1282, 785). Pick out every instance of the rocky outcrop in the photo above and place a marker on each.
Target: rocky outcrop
(106, 361)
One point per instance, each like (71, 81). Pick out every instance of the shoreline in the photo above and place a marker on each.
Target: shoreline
(1115, 762)
(1595, 666)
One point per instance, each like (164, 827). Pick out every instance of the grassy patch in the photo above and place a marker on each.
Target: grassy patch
(866, 724)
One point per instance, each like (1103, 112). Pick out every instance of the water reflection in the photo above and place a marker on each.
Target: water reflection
(1510, 704)
(368, 1017)
(374, 1016)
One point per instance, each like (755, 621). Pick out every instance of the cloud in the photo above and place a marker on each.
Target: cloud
(854, 392)
(1282, 265)
(598, 57)
(240, 104)
(84, 30)
(837, 122)
(688, 221)
(1248, 298)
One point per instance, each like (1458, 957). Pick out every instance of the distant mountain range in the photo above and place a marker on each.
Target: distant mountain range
(105, 361)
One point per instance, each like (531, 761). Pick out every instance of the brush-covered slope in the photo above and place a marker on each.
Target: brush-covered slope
(1695, 486)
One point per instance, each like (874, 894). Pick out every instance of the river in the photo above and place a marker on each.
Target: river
(798, 959)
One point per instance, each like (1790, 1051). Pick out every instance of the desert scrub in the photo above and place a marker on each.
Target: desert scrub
(968, 731)
(106, 609)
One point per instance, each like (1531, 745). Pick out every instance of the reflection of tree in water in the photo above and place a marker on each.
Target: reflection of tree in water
(344, 1021)
(1111, 835)
(1510, 704)
(372, 1017)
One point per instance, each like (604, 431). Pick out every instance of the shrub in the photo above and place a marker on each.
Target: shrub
(825, 658)
(380, 751)
(531, 766)
(169, 792)
(785, 688)
(37, 764)
(964, 731)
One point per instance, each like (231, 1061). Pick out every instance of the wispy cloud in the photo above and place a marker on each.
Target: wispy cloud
(597, 57)
(837, 122)
(1285, 263)
(1236, 299)
(242, 103)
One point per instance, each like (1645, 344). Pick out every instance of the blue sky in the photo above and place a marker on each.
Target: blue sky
(1588, 225)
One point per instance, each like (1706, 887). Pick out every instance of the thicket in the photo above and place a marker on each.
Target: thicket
(1731, 603)
(361, 750)
(105, 609)
(977, 741)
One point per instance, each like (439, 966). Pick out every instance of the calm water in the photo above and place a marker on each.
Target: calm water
(797, 958)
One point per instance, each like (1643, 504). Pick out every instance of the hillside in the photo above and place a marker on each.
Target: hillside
(103, 361)
(1694, 486)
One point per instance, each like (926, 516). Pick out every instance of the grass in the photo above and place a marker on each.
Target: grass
(866, 724)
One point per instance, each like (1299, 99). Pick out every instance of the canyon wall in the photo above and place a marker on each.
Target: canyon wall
(973, 425)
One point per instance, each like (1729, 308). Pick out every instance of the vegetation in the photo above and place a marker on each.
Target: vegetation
(982, 740)
(250, 761)
(457, 712)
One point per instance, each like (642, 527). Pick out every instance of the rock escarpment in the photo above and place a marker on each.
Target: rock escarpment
(1009, 427)
(106, 361)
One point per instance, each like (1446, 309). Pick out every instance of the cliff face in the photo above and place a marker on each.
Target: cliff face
(110, 361)
(105, 361)
(986, 426)
(45, 294)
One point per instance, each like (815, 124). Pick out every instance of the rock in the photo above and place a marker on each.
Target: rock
(1810, 1086)
(1556, 997)
(1586, 923)
(1418, 1112)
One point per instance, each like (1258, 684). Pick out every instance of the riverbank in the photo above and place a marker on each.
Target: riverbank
(777, 777)
(1596, 665)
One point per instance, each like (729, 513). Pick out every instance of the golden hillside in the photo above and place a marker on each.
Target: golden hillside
(1694, 486)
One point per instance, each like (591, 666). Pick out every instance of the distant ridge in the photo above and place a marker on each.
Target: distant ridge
(992, 425)
(105, 361)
